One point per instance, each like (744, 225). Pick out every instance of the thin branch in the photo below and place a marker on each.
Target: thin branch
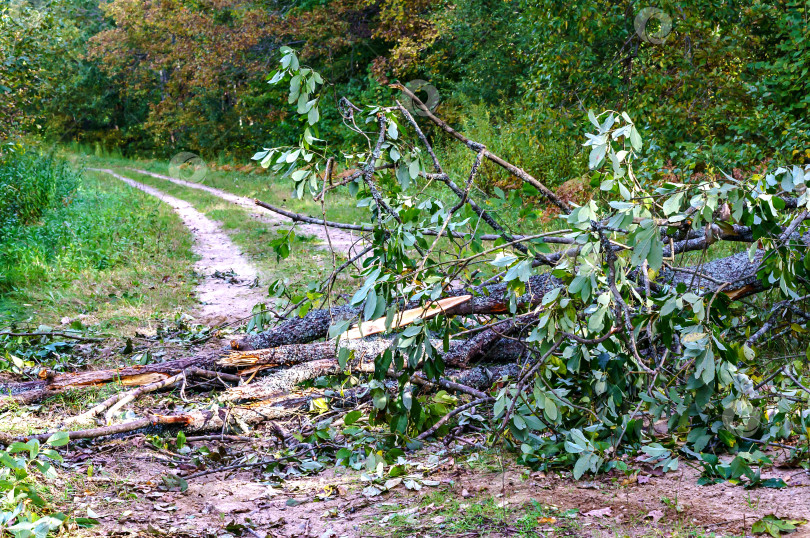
(444, 178)
(54, 334)
(427, 433)
(475, 146)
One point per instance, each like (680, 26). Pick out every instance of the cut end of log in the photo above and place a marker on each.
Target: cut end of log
(142, 379)
(242, 359)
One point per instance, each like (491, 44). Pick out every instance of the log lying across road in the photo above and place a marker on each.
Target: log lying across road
(290, 342)
(315, 324)
(736, 274)
(291, 349)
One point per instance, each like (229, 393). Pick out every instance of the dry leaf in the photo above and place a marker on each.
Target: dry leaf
(655, 515)
(601, 512)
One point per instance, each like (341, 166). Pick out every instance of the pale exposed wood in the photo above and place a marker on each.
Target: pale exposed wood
(405, 318)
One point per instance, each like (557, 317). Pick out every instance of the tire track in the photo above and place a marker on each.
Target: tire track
(341, 240)
(227, 291)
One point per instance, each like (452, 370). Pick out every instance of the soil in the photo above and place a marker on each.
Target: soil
(341, 240)
(228, 290)
(130, 502)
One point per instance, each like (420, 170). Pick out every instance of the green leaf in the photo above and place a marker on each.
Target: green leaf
(380, 399)
(592, 118)
(551, 410)
(370, 306)
(277, 76)
(582, 465)
(313, 116)
(774, 526)
(58, 439)
(343, 357)
(339, 328)
(635, 139)
(551, 296)
(352, 417)
(414, 168)
(86, 522)
(393, 134)
(673, 204)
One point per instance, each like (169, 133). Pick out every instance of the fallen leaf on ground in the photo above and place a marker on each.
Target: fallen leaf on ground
(601, 512)
(655, 515)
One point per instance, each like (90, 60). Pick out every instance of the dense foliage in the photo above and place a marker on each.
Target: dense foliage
(30, 185)
(24, 506)
(621, 340)
(716, 83)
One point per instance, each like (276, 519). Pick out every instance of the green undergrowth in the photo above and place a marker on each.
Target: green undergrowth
(26, 503)
(107, 253)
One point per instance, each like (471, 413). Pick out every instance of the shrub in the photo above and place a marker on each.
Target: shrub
(538, 143)
(30, 184)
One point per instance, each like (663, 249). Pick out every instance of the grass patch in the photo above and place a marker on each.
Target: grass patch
(442, 513)
(341, 206)
(109, 252)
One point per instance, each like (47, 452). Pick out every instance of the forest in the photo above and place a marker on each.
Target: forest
(383, 268)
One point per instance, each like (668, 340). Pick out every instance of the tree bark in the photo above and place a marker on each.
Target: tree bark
(315, 325)
(286, 379)
(130, 376)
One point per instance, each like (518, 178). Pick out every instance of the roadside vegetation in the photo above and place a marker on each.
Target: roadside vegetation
(86, 246)
(579, 303)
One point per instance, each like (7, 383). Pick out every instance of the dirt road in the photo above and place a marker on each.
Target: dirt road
(228, 289)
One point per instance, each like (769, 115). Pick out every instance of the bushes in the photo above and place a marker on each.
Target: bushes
(541, 145)
(56, 224)
(30, 184)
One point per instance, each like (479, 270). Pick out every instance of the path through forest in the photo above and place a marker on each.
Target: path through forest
(228, 290)
(341, 241)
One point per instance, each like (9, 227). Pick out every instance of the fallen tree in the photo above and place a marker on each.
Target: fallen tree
(629, 309)
(655, 300)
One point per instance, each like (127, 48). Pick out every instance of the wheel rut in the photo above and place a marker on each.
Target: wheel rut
(228, 289)
(341, 240)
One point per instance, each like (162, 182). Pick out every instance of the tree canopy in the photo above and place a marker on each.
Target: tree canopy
(716, 83)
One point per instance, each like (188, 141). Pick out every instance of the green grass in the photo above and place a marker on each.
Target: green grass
(341, 206)
(109, 252)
